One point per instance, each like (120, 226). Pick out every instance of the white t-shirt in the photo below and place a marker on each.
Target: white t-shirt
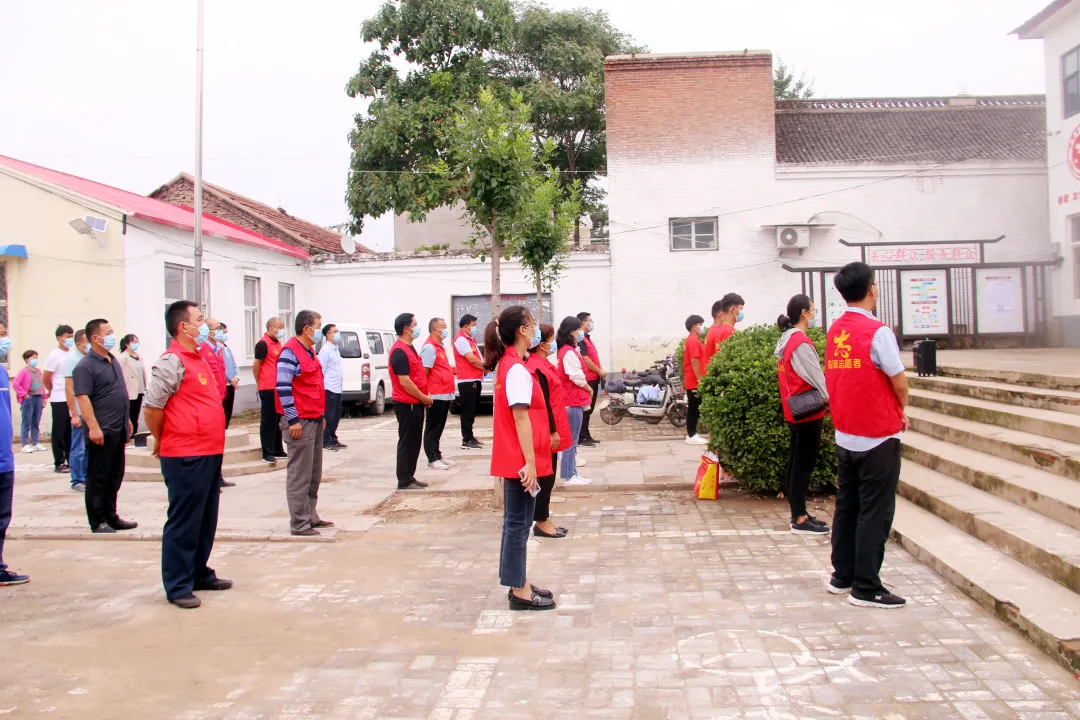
(54, 363)
(519, 386)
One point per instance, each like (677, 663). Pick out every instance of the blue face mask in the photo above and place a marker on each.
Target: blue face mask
(69, 343)
(86, 349)
(5, 345)
(703, 330)
(224, 337)
(109, 341)
(318, 335)
(580, 335)
(445, 333)
(33, 362)
(219, 336)
(813, 322)
(204, 334)
(740, 317)
(281, 334)
(134, 347)
(535, 338)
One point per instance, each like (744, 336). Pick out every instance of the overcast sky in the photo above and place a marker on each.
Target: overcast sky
(106, 89)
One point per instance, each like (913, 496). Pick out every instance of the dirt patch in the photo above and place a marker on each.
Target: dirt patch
(410, 505)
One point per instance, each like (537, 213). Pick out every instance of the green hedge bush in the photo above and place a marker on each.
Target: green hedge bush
(679, 358)
(741, 401)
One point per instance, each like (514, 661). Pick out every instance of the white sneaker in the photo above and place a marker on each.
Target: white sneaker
(578, 480)
(27, 448)
(580, 462)
(447, 462)
(696, 440)
(438, 465)
(40, 448)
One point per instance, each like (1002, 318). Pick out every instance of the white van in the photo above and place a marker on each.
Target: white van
(365, 366)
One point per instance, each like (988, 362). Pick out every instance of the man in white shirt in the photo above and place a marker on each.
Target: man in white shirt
(330, 357)
(53, 380)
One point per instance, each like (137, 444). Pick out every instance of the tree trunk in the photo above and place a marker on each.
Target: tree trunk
(496, 277)
(540, 299)
(571, 161)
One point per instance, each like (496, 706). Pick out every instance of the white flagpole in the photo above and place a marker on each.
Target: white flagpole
(198, 158)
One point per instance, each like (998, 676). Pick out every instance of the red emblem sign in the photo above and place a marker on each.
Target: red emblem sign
(1072, 153)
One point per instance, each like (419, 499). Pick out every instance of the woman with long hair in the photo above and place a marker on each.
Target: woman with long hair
(578, 393)
(558, 423)
(520, 448)
(135, 379)
(799, 372)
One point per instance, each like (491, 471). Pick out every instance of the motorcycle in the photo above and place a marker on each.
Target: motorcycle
(651, 396)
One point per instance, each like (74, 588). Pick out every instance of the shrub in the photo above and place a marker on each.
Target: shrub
(741, 401)
(679, 359)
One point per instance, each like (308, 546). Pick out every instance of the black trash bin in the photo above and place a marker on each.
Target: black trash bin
(925, 352)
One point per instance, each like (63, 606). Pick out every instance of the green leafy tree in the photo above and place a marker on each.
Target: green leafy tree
(543, 232)
(786, 86)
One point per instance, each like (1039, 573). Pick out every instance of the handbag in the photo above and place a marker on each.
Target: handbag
(806, 404)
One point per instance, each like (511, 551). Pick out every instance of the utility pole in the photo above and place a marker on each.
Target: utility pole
(199, 299)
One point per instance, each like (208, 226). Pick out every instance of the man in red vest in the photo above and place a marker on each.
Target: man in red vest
(593, 375)
(217, 365)
(440, 379)
(184, 414)
(469, 369)
(264, 369)
(868, 392)
(726, 311)
(409, 382)
(302, 404)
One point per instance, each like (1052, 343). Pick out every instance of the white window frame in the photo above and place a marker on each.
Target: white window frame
(186, 270)
(1074, 77)
(252, 316)
(1074, 246)
(693, 237)
(287, 314)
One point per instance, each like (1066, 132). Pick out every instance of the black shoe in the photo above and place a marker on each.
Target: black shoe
(541, 593)
(9, 578)
(103, 529)
(226, 483)
(822, 523)
(323, 523)
(881, 599)
(587, 442)
(330, 446)
(471, 445)
(835, 587)
(281, 455)
(808, 528)
(558, 534)
(412, 486)
(215, 585)
(187, 602)
(62, 469)
(269, 459)
(119, 524)
(310, 532)
(339, 446)
(421, 483)
(537, 602)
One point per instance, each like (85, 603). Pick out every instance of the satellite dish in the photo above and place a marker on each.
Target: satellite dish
(348, 245)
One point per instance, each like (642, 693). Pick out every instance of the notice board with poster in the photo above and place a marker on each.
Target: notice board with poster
(999, 294)
(924, 302)
(480, 307)
(835, 305)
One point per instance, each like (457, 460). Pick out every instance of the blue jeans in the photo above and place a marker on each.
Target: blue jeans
(77, 455)
(568, 468)
(7, 492)
(518, 509)
(31, 418)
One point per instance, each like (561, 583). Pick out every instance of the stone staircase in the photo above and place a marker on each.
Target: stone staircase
(990, 496)
(243, 456)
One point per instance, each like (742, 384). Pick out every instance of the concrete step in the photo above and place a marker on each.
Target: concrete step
(1051, 495)
(144, 474)
(1040, 398)
(1035, 380)
(1047, 613)
(233, 455)
(1059, 425)
(1040, 543)
(1055, 456)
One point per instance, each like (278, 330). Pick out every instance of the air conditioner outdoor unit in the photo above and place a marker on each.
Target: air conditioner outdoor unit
(792, 237)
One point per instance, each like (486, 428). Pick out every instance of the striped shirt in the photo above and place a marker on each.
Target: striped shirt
(288, 367)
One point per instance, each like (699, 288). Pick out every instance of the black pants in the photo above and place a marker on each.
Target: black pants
(188, 537)
(410, 432)
(802, 456)
(7, 495)
(547, 484)
(470, 405)
(585, 434)
(134, 408)
(104, 475)
(865, 504)
(436, 421)
(693, 412)
(269, 431)
(333, 417)
(227, 403)
(61, 432)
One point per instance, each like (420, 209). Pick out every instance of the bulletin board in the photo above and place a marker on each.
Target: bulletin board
(924, 302)
(999, 294)
(835, 305)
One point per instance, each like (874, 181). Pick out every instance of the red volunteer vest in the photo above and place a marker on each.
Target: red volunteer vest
(440, 377)
(590, 350)
(268, 370)
(507, 458)
(194, 422)
(309, 394)
(575, 396)
(861, 397)
(416, 373)
(556, 396)
(690, 381)
(206, 351)
(791, 383)
(462, 368)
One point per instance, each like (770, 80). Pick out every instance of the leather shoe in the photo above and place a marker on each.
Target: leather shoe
(187, 602)
(305, 533)
(216, 584)
(323, 523)
(340, 446)
(420, 483)
(226, 483)
(103, 528)
(412, 486)
(541, 593)
(119, 524)
(536, 603)
(558, 534)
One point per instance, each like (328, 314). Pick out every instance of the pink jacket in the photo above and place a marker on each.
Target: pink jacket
(21, 385)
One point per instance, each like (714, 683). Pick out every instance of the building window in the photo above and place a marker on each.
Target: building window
(1070, 82)
(252, 316)
(180, 285)
(286, 306)
(693, 233)
(1074, 227)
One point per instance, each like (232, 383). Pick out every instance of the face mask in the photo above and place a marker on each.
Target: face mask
(109, 341)
(85, 349)
(445, 333)
(580, 335)
(703, 330)
(813, 322)
(740, 316)
(318, 335)
(204, 334)
(33, 362)
(224, 337)
(415, 332)
(281, 334)
(332, 338)
(5, 345)
(134, 347)
(535, 338)
(219, 336)
(69, 343)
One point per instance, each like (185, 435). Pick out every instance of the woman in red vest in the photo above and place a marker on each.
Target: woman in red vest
(521, 446)
(571, 369)
(798, 370)
(539, 363)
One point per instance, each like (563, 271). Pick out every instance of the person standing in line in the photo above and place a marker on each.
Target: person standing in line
(469, 369)
(30, 394)
(538, 362)
(409, 382)
(330, 359)
(232, 374)
(578, 393)
(77, 454)
(440, 381)
(520, 447)
(102, 396)
(593, 375)
(798, 371)
(264, 369)
(134, 378)
(868, 394)
(61, 421)
(302, 405)
(726, 311)
(693, 374)
(7, 467)
(208, 349)
(184, 414)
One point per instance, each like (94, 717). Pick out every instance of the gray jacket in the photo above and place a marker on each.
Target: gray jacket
(804, 361)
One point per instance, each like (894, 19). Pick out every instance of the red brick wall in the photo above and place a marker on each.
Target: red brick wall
(690, 106)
